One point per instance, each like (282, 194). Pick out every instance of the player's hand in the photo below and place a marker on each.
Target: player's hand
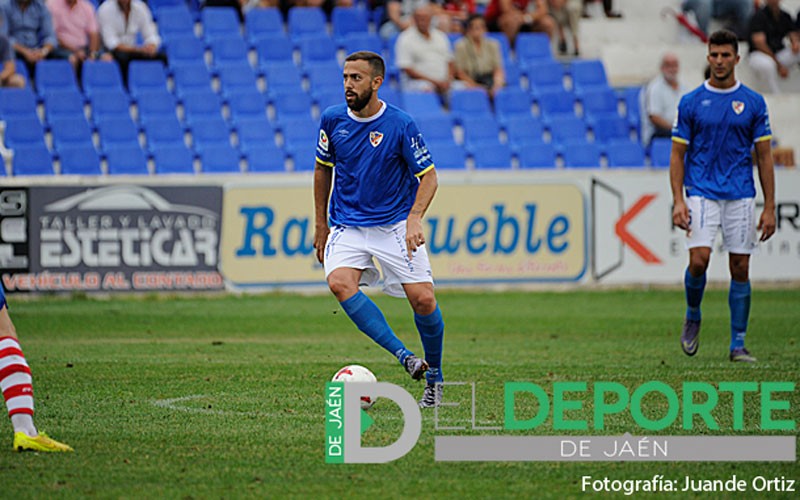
(680, 216)
(320, 240)
(415, 237)
(766, 224)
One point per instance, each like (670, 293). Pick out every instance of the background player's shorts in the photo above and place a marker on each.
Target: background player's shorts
(359, 247)
(736, 218)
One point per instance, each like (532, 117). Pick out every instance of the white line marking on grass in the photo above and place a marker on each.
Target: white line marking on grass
(175, 404)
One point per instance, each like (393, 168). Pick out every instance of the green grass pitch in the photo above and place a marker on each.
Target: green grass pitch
(222, 397)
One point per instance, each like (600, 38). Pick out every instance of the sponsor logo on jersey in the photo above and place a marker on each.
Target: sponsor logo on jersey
(375, 138)
(323, 140)
(738, 107)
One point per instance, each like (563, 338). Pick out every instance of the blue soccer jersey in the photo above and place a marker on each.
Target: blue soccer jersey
(719, 127)
(378, 161)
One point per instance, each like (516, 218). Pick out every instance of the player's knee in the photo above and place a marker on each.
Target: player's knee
(739, 270)
(698, 265)
(424, 303)
(341, 288)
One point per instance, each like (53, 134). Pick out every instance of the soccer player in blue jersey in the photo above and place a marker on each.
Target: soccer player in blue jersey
(17, 388)
(384, 182)
(717, 125)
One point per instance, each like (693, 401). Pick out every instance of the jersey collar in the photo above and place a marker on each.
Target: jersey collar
(371, 118)
(722, 91)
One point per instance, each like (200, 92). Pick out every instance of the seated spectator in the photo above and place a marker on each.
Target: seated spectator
(769, 57)
(660, 100)
(424, 56)
(567, 14)
(738, 11)
(30, 31)
(76, 30)
(398, 14)
(8, 74)
(121, 23)
(513, 16)
(456, 13)
(607, 8)
(479, 63)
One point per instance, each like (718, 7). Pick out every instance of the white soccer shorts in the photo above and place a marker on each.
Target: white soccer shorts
(360, 247)
(736, 218)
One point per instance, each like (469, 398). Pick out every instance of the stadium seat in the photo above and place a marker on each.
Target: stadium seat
(304, 22)
(63, 104)
(220, 159)
(581, 155)
(219, 22)
(387, 94)
(522, 130)
(70, 132)
(610, 128)
(546, 76)
(163, 132)
(262, 22)
(505, 47)
(346, 20)
(660, 151)
(302, 155)
(200, 105)
(22, 69)
(246, 105)
(80, 160)
(324, 75)
(511, 102)
(565, 128)
(174, 21)
(145, 76)
(536, 155)
(587, 74)
(208, 133)
(479, 131)
(631, 96)
(282, 76)
(356, 41)
(174, 159)
(316, 48)
(300, 140)
(23, 132)
(513, 75)
(191, 77)
(32, 159)
(437, 129)
(291, 105)
(265, 158)
(422, 105)
(235, 78)
(447, 155)
(55, 74)
(470, 103)
(556, 102)
(17, 103)
(185, 50)
(328, 97)
(532, 49)
(117, 131)
(126, 159)
(159, 6)
(625, 154)
(156, 105)
(100, 75)
(599, 102)
(254, 133)
(274, 48)
(109, 103)
(491, 156)
(228, 51)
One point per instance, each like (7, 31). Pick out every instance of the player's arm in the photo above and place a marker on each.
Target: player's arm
(415, 236)
(323, 176)
(680, 212)
(766, 175)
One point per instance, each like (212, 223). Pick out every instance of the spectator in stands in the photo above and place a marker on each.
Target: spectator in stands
(567, 14)
(8, 74)
(424, 56)
(738, 11)
(29, 27)
(660, 100)
(76, 30)
(456, 13)
(122, 22)
(607, 8)
(514, 16)
(769, 58)
(478, 61)
(260, 4)
(398, 15)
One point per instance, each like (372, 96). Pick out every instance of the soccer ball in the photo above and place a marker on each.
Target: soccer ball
(357, 373)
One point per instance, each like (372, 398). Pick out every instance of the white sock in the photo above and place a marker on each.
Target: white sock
(23, 422)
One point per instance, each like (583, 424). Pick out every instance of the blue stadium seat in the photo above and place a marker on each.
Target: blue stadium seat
(80, 160)
(126, 159)
(219, 22)
(156, 105)
(117, 131)
(625, 154)
(316, 48)
(599, 102)
(185, 50)
(274, 48)
(265, 158)
(513, 74)
(22, 69)
(200, 105)
(488, 156)
(302, 155)
(505, 47)
(346, 20)
(632, 96)
(660, 151)
(210, 132)
(262, 22)
(282, 76)
(70, 132)
(235, 78)
(470, 103)
(546, 76)
(220, 159)
(55, 74)
(479, 131)
(246, 105)
(532, 49)
(565, 128)
(146, 76)
(228, 51)
(553, 103)
(157, 6)
(63, 104)
(587, 74)
(163, 132)
(610, 128)
(100, 75)
(300, 140)
(305, 21)
(511, 102)
(387, 94)
(22, 132)
(536, 155)
(447, 155)
(191, 77)
(32, 159)
(174, 21)
(17, 103)
(174, 159)
(581, 155)
(324, 75)
(356, 41)
(437, 129)
(109, 103)
(254, 133)
(328, 97)
(522, 130)
(422, 105)
(291, 105)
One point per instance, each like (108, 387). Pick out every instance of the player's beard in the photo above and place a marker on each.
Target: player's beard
(360, 101)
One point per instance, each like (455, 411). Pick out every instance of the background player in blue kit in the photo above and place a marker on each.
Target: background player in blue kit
(16, 384)
(385, 181)
(717, 125)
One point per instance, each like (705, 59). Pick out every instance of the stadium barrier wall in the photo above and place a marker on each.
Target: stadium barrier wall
(484, 228)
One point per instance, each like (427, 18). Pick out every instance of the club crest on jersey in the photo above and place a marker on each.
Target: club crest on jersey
(738, 107)
(323, 140)
(375, 138)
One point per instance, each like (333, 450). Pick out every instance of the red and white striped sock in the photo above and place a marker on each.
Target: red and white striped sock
(16, 384)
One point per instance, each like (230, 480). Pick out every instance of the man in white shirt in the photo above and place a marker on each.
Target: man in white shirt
(121, 21)
(660, 100)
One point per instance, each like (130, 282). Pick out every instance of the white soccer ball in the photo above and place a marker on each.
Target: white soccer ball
(357, 373)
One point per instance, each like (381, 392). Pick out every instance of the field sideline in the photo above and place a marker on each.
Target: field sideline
(203, 397)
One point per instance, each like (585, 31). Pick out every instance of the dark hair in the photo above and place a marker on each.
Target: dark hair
(375, 61)
(473, 17)
(724, 37)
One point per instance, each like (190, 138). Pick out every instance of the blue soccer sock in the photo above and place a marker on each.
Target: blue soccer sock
(370, 320)
(694, 294)
(431, 332)
(739, 303)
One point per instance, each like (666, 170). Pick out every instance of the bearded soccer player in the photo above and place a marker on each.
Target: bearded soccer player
(385, 181)
(16, 384)
(717, 125)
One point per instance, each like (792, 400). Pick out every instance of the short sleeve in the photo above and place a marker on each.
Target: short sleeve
(325, 153)
(681, 128)
(415, 151)
(762, 131)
